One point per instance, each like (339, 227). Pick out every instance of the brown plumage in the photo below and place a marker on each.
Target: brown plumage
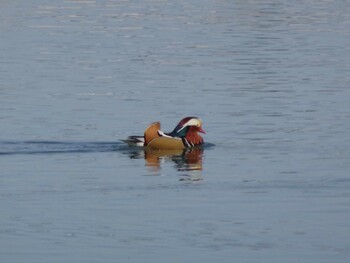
(151, 132)
(193, 137)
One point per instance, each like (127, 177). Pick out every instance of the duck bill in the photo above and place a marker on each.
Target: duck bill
(201, 130)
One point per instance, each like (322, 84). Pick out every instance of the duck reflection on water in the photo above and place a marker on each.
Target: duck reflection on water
(187, 161)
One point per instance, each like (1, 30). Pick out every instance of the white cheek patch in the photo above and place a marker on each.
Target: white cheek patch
(192, 122)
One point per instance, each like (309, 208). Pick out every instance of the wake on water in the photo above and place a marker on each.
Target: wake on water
(52, 147)
(47, 147)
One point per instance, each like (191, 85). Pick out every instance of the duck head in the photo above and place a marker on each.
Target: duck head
(188, 128)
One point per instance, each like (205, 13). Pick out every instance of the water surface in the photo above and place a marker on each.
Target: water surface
(269, 79)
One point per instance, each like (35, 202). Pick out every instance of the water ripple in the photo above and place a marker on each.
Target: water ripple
(47, 147)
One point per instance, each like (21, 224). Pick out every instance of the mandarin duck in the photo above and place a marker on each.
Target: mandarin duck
(185, 135)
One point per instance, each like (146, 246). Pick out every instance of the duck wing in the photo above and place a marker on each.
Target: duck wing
(151, 132)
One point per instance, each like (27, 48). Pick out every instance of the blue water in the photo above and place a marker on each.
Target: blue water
(269, 79)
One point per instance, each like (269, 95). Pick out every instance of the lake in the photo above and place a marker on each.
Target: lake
(269, 79)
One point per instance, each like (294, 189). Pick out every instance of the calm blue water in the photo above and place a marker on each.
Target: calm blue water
(269, 79)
